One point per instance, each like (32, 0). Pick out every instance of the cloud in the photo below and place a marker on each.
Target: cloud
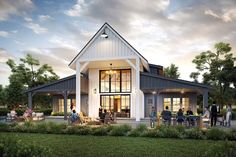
(227, 16)
(36, 28)
(43, 18)
(58, 58)
(14, 7)
(4, 34)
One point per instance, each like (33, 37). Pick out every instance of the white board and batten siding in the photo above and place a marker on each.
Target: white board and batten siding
(107, 48)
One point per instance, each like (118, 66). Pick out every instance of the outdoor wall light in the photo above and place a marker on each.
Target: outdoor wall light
(94, 91)
(104, 35)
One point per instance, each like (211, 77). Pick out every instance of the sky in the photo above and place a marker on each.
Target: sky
(163, 31)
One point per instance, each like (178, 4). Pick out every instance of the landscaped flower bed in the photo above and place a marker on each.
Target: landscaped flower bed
(121, 130)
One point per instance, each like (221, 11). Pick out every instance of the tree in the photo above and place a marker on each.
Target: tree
(27, 74)
(172, 71)
(2, 96)
(217, 69)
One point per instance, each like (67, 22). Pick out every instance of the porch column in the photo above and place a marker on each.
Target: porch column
(77, 108)
(65, 104)
(205, 98)
(30, 100)
(137, 102)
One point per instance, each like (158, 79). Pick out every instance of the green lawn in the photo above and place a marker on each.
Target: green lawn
(107, 146)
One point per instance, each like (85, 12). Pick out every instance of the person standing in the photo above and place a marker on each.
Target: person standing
(213, 114)
(228, 115)
(153, 117)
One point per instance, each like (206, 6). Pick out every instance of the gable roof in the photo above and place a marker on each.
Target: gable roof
(98, 33)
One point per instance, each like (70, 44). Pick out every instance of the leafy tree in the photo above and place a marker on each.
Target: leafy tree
(172, 71)
(2, 96)
(27, 74)
(217, 69)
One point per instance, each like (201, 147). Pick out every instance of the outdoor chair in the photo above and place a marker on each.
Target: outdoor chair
(221, 120)
(38, 116)
(11, 116)
(83, 118)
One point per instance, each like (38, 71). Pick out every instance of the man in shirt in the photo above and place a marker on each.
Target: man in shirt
(166, 115)
(213, 114)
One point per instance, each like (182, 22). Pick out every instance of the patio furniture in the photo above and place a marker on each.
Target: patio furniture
(221, 120)
(11, 116)
(38, 116)
(83, 118)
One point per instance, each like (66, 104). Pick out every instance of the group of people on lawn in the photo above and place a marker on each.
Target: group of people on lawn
(26, 116)
(104, 116)
(209, 115)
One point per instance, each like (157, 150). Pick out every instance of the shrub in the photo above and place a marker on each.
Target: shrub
(20, 112)
(4, 111)
(4, 127)
(59, 113)
(138, 131)
(215, 134)
(151, 133)
(100, 131)
(194, 133)
(168, 132)
(231, 135)
(121, 130)
(79, 130)
(46, 111)
(227, 150)
(180, 128)
(11, 148)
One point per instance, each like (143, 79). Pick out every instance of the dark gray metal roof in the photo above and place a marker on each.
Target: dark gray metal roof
(151, 81)
(67, 83)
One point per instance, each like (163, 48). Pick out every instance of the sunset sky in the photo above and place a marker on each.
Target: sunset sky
(163, 31)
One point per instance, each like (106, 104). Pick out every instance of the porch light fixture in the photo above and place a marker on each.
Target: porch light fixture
(104, 35)
(110, 72)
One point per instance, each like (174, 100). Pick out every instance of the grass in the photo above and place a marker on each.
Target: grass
(107, 146)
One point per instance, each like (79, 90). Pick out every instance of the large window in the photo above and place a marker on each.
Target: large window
(119, 104)
(185, 103)
(118, 82)
(61, 105)
(176, 104)
(167, 102)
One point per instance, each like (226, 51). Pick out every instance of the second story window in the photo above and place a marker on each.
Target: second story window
(118, 82)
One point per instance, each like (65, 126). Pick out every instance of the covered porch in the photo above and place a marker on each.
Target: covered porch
(161, 91)
(62, 92)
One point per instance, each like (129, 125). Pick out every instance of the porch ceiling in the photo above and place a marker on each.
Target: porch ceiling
(105, 64)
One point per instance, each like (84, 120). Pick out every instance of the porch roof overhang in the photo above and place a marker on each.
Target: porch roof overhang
(144, 61)
(64, 84)
(150, 83)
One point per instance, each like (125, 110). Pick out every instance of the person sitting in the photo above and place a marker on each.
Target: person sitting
(100, 113)
(27, 114)
(206, 115)
(190, 120)
(166, 116)
(106, 117)
(13, 114)
(74, 117)
(180, 116)
(153, 117)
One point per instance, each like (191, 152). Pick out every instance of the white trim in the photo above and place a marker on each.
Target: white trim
(108, 58)
(78, 96)
(84, 66)
(137, 90)
(131, 64)
(97, 35)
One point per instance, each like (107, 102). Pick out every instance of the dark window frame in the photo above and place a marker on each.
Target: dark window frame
(112, 95)
(120, 91)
